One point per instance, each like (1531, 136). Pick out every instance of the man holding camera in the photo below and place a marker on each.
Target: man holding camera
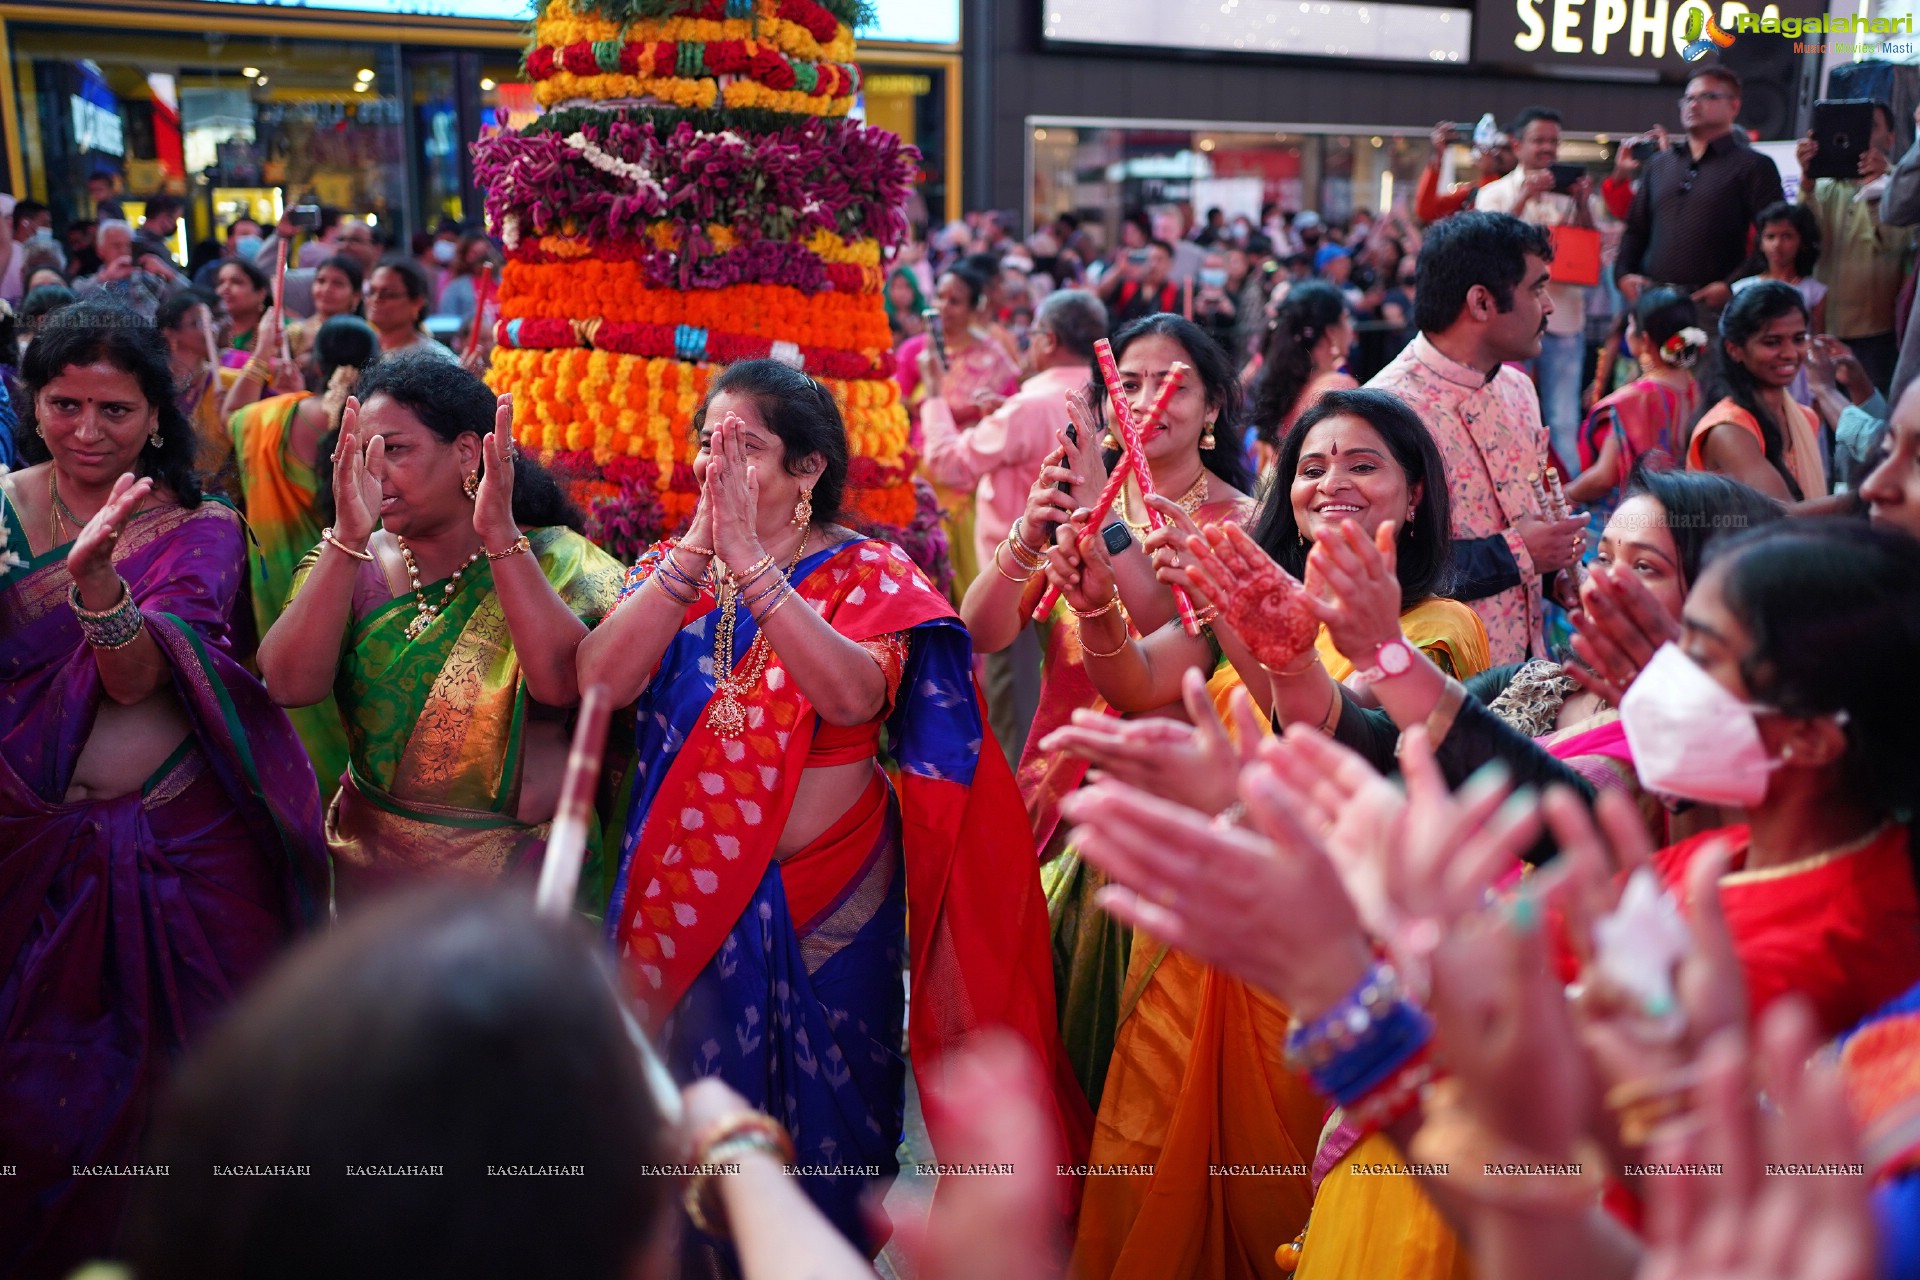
(1862, 259)
(1546, 193)
(1492, 161)
(1146, 284)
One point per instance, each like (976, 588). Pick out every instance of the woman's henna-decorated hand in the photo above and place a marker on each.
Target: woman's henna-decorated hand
(1263, 603)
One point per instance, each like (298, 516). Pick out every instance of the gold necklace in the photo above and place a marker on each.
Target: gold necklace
(1190, 502)
(428, 612)
(62, 517)
(728, 715)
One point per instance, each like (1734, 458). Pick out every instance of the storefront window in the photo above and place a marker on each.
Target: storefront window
(1103, 173)
(910, 98)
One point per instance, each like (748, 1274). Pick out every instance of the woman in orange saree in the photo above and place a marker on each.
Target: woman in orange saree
(1197, 1082)
(773, 875)
(1198, 456)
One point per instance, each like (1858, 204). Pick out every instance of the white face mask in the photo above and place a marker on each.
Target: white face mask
(1692, 738)
(443, 251)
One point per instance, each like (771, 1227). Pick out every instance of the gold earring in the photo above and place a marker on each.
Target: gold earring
(156, 440)
(471, 485)
(1206, 437)
(41, 432)
(803, 509)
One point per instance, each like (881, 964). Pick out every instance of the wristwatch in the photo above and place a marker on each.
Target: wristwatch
(1117, 537)
(1390, 658)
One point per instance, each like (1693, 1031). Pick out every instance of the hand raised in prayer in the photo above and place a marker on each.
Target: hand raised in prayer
(1619, 627)
(1262, 902)
(1078, 564)
(1735, 1223)
(1359, 597)
(1264, 604)
(1197, 765)
(493, 504)
(732, 495)
(90, 558)
(357, 467)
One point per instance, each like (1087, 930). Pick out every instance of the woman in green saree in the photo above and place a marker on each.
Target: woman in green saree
(441, 610)
(276, 442)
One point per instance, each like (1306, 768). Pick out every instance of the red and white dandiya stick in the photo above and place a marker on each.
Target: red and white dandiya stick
(280, 303)
(482, 295)
(1132, 462)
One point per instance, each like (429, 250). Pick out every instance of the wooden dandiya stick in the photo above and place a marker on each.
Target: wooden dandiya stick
(1541, 499)
(1561, 510)
(567, 838)
(482, 295)
(280, 303)
(213, 347)
(566, 853)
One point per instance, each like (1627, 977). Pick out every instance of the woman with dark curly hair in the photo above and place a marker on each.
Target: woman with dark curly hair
(159, 825)
(441, 610)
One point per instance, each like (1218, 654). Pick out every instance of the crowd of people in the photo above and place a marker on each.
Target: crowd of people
(1396, 791)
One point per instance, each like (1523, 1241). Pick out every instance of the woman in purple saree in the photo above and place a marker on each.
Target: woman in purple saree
(159, 824)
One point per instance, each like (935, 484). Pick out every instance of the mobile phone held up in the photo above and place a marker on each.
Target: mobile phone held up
(935, 334)
(305, 217)
(1565, 175)
(1644, 149)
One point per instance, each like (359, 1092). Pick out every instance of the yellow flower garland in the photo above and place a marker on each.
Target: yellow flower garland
(618, 405)
(560, 27)
(565, 86)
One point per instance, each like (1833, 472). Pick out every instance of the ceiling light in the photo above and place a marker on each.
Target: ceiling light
(487, 84)
(249, 72)
(260, 80)
(360, 88)
(366, 73)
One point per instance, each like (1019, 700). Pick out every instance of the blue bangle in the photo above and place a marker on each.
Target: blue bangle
(1362, 1039)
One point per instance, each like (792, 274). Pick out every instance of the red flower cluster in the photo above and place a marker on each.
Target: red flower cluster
(764, 262)
(818, 22)
(764, 64)
(658, 342)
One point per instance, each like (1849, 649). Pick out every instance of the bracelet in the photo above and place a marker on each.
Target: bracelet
(1307, 662)
(1024, 578)
(1332, 718)
(327, 536)
(258, 369)
(1115, 652)
(660, 581)
(1104, 609)
(1361, 1041)
(114, 628)
(779, 581)
(672, 569)
(739, 1132)
(774, 608)
(753, 571)
(705, 553)
(1018, 535)
(1020, 558)
(521, 545)
(1398, 1095)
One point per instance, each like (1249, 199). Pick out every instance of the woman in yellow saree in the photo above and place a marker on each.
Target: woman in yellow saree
(276, 443)
(445, 633)
(1199, 457)
(1196, 1082)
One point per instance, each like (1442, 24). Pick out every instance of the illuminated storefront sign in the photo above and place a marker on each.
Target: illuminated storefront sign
(1606, 33)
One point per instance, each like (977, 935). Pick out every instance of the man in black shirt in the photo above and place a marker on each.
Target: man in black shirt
(1690, 219)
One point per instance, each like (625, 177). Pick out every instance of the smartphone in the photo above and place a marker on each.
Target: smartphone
(1462, 132)
(1565, 175)
(935, 334)
(305, 217)
(1138, 257)
(1844, 129)
(1213, 277)
(1645, 149)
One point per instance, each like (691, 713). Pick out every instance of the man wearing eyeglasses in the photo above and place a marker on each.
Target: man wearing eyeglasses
(1690, 219)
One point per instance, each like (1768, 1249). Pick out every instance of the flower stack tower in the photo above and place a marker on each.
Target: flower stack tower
(694, 195)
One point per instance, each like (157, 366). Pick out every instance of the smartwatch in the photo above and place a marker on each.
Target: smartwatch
(1117, 537)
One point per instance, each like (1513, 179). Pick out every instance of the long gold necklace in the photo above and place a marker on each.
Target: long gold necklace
(428, 612)
(1190, 502)
(727, 714)
(60, 517)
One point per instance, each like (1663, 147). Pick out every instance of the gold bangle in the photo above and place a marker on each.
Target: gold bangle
(753, 571)
(1332, 718)
(785, 596)
(1115, 652)
(326, 535)
(1018, 533)
(705, 553)
(1021, 581)
(521, 545)
(1312, 658)
(1103, 610)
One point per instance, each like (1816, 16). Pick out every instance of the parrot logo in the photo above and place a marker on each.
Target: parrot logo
(1703, 33)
